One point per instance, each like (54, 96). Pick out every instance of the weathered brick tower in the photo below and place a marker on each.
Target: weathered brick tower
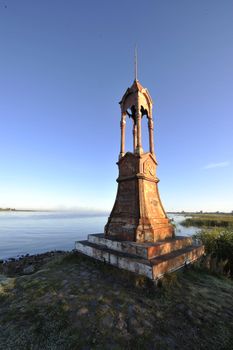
(138, 235)
(138, 214)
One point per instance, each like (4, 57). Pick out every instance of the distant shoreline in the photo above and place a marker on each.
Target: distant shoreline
(23, 210)
(168, 212)
(200, 212)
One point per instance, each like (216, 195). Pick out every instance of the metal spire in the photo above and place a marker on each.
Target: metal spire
(136, 63)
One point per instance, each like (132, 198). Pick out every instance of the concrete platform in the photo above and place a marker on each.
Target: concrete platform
(152, 260)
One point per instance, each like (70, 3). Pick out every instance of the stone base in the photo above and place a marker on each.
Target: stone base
(152, 260)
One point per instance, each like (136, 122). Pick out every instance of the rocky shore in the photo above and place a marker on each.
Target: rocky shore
(61, 300)
(27, 264)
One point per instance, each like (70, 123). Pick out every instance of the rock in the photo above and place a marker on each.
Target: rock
(47, 298)
(104, 308)
(107, 321)
(1, 261)
(83, 311)
(130, 310)
(64, 282)
(3, 279)
(93, 303)
(84, 273)
(180, 307)
(190, 314)
(12, 259)
(133, 323)
(159, 314)
(101, 297)
(116, 292)
(139, 330)
(121, 324)
(28, 269)
(73, 296)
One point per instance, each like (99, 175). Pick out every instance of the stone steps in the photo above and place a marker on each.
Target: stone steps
(122, 260)
(145, 250)
(175, 260)
(134, 260)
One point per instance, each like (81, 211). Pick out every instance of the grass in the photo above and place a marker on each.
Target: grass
(209, 220)
(219, 249)
(78, 303)
(217, 236)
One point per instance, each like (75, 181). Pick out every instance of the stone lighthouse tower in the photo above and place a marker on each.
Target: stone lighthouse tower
(138, 214)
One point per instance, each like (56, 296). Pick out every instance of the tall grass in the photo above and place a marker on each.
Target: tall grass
(219, 248)
(206, 220)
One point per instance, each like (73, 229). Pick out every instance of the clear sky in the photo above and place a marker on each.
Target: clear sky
(64, 66)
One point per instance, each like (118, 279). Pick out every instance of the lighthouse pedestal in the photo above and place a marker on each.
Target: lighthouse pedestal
(152, 260)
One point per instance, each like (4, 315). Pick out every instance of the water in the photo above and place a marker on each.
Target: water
(37, 232)
(181, 230)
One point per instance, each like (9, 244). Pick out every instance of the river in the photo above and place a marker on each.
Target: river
(36, 232)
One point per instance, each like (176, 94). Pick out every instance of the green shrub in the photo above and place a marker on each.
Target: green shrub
(219, 248)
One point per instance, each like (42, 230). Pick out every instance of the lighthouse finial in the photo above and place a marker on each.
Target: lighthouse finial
(136, 63)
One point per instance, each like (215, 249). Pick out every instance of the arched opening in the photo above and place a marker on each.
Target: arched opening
(129, 138)
(144, 129)
(128, 135)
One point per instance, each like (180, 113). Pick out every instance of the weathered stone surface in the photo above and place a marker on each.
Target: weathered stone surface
(138, 261)
(144, 250)
(138, 214)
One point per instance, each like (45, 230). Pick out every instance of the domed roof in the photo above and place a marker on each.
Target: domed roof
(136, 87)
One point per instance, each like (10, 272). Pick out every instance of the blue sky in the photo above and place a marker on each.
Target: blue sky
(64, 66)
